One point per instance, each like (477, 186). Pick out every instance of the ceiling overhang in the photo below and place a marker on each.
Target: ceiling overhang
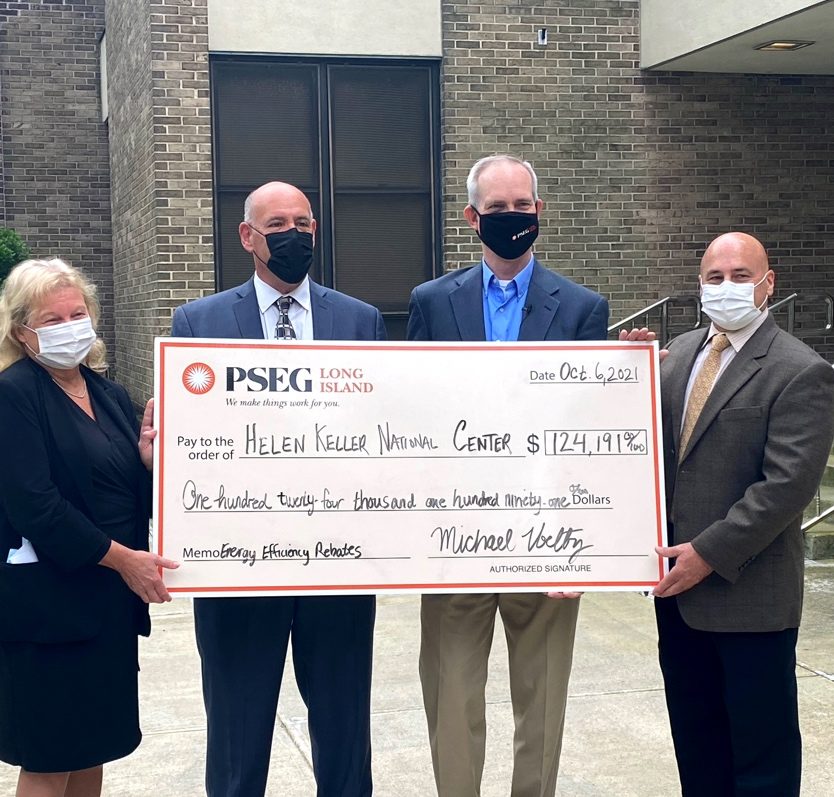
(723, 37)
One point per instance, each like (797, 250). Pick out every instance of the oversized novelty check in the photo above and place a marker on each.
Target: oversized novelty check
(304, 468)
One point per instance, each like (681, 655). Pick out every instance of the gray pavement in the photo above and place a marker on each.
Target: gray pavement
(616, 740)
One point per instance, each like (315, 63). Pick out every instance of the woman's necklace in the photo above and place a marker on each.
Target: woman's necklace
(81, 395)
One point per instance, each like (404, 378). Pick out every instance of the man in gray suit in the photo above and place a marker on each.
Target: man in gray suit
(243, 641)
(748, 420)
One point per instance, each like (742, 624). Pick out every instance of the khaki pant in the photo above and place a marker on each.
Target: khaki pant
(457, 633)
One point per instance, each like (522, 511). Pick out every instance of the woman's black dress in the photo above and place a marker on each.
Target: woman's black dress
(71, 706)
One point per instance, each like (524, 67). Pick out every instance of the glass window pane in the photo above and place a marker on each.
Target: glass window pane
(380, 121)
(383, 246)
(236, 261)
(267, 125)
(376, 216)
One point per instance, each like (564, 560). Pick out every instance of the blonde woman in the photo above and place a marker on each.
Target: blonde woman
(75, 573)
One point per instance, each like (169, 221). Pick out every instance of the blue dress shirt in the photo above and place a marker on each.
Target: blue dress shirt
(504, 307)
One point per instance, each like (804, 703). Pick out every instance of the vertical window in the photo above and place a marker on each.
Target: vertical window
(360, 139)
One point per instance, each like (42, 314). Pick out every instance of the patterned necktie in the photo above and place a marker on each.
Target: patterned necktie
(284, 329)
(702, 387)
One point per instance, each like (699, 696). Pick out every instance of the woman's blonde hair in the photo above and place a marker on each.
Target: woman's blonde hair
(26, 287)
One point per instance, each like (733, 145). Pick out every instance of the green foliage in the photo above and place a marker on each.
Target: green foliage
(12, 251)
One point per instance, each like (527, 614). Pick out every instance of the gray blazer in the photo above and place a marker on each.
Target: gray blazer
(751, 466)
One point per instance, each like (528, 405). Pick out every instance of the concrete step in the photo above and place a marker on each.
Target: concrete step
(826, 500)
(819, 541)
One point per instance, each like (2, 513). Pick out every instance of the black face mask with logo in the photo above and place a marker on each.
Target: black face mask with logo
(508, 234)
(290, 254)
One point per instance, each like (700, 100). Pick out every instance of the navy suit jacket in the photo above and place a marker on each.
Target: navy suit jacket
(452, 308)
(235, 314)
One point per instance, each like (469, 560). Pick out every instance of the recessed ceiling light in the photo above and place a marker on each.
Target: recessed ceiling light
(787, 45)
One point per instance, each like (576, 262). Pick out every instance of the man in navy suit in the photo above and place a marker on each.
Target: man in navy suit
(508, 296)
(243, 641)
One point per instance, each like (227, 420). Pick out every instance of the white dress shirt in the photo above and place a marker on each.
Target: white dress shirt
(301, 310)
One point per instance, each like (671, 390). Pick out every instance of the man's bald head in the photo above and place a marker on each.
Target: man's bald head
(736, 247)
(275, 192)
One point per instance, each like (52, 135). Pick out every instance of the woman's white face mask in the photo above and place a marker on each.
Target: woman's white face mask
(66, 345)
(731, 305)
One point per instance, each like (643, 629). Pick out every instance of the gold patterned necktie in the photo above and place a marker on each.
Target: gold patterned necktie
(284, 328)
(702, 386)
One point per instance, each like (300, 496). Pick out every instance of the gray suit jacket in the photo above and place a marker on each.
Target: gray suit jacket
(751, 466)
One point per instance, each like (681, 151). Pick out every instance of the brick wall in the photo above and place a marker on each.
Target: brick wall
(53, 149)
(638, 171)
(132, 176)
(160, 138)
(182, 148)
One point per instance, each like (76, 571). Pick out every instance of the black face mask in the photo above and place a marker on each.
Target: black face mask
(290, 254)
(508, 234)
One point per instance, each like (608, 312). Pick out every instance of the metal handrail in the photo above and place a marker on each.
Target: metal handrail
(663, 305)
(808, 524)
(789, 303)
(644, 311)
(787, 300)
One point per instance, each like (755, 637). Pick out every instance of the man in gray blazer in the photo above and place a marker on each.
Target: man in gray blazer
(243, 641)
(748, 420)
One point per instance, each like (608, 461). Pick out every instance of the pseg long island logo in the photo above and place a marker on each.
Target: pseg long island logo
(198, 378)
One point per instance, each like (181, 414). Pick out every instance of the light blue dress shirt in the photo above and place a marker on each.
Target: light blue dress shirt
(504, 306)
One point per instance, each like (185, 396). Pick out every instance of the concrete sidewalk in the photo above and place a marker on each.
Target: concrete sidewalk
(617, 741)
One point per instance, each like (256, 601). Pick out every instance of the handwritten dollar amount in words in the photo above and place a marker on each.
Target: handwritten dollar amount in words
(588, 442)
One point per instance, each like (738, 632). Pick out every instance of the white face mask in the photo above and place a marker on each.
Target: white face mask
(731, 305)
(64, 346)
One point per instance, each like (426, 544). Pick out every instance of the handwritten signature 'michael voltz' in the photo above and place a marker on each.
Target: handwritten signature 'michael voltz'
(541, 538)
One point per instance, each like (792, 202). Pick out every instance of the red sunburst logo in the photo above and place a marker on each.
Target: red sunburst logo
(198, 378)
